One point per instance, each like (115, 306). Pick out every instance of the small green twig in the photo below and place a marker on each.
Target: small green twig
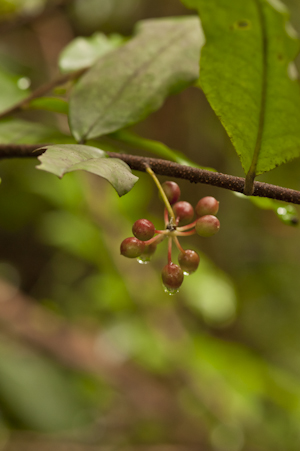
(162, 193)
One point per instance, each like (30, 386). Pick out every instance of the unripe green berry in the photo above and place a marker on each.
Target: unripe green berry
(132, 247)
(172, 277)
(184, 211)
(172, 191)
(207, 206)
(207, 225)
(188, 261)
(143, 229)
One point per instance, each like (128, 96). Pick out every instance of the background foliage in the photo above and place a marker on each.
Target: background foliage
(102, 358)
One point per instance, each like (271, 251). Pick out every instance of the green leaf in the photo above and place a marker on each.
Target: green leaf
(18, 131)
(65, 158)
(54, 104)
(83, 52)
(10, 92)
(129, 83)
(249, 79)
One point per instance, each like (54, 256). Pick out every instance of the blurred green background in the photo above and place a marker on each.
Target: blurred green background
(93, 354)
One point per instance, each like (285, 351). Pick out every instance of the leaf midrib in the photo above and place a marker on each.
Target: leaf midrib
(248, 189)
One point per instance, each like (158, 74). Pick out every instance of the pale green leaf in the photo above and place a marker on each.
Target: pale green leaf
(64, 158)
(83, 52)
(249, 78)
(126, 85)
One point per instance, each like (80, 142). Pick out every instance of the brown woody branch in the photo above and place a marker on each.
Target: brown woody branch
(168, 168)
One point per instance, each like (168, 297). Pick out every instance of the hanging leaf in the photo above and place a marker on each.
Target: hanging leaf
(129, 83)
(64, 158)
(250, 80)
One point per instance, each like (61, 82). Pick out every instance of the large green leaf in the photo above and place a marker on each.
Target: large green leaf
(129, 83)
(64, 158)
(249, 79)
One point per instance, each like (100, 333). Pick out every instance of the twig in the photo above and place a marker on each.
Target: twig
(42, 90)
(175, 170)
(168, 168)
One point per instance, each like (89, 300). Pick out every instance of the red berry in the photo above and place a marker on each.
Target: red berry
(143, 229)
(184, 211)
(189, 261)
(207, 206)
(172, 191)
(132, 247)
(172, 277)
(207, 225)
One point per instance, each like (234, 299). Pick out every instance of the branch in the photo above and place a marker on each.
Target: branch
(42, 90)
(165, 167)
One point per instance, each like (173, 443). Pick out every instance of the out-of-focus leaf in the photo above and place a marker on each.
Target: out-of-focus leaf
(37, 393)
(72, 233)
(286, 213)
(156, 147)
(54, 104)
(250, 80)
(83, 52)
(212, 294)
(61, 159)
(10, 92)
(24, 132)
(129, 83)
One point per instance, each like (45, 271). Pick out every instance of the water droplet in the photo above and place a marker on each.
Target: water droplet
(186, 273)
(24, 83)
(170, 291)
(143, 261)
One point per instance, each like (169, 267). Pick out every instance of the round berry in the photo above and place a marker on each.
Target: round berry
(172, 276)
(172, 191)
(207, 225)
(143, 229)
(132, 247)
(184, 212)
(207, 206)
(188, 261)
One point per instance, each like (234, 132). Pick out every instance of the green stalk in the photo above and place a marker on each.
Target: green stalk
(163, 194)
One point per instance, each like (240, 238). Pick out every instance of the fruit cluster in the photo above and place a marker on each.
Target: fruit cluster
(178, 218)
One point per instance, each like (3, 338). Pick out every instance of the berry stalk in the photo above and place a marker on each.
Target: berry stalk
(162, 193)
